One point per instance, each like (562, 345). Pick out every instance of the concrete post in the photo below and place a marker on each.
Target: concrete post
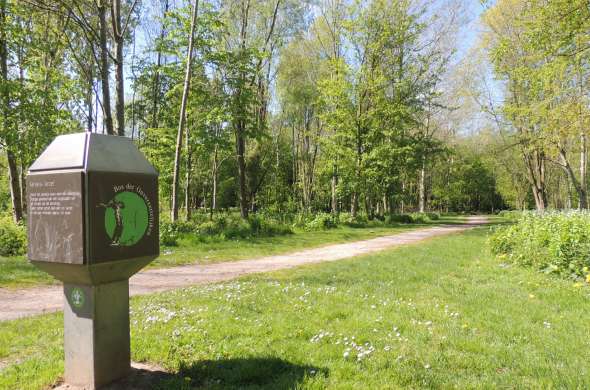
(96, 333)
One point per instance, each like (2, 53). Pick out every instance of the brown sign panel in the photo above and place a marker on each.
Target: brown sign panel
(56, 217)
(123, 216)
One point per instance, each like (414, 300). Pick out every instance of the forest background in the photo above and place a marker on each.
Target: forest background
(289, 109)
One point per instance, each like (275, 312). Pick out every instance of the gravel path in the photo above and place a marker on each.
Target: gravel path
(33, 301)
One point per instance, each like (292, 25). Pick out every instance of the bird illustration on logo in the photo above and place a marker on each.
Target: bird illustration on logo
(126, 218)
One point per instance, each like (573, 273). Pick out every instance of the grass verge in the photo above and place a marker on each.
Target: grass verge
(18, 272)
(441, 314)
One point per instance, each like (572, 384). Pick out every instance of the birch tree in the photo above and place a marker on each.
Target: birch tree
(182, 115)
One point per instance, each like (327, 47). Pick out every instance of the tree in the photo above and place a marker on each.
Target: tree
(7, 122)
(182, 119)
(541, 52)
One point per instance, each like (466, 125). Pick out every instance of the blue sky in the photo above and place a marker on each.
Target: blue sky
(468, 34)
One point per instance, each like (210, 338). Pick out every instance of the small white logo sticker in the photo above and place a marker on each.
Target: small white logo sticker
(77, 297)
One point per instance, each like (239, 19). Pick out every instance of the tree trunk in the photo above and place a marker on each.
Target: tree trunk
(23, 187)
(89, 103)
(134, 76)
(294, 157)
(570, 195)
(572, 177)
(104, 69)
(156, 92)
(583, 172)
(187, 187)
(334, 187)
(214, 184)
(119, 77)
(240, 153)
(96, 111)
(539, 199)
(240, 126)
(403, 203)
(182, 119)
(359, 162)
(15, 191)
(369, 206)
(535, 164)
(422, 187)
(354, 204)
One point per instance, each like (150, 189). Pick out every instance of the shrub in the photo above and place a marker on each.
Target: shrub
(551, 242)
(357, 222)
(433, 216)
(321, 221)
(399, 218)
(13, 237)
(286, 215)
(420, 218)
(267, 227)
(301, 219)
(236, 229)
(185, 226)
(511, 215)
(210, 228)
(169, 234)
(232, 227)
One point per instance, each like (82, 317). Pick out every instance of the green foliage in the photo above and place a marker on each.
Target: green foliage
(228, 226)
(433, 216)
(169, 234)
(537, 49)
(321, 221)
(184, 227)
(262, 227)
(399, 218)
(511, 215)
(423, 217)
(420, 218)
(357, 221)
(13, 237)
(351, 99)
(466, 184)
(17, 271)
(550, 242)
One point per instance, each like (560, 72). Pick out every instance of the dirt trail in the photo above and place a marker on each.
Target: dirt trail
(38, 300)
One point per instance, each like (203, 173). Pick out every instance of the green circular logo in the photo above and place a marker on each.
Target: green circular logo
(77, 297)
(126, 219)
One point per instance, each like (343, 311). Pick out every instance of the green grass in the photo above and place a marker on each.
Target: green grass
(440, 314)
(17, 272)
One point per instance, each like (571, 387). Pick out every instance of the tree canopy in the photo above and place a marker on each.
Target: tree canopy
(368, 107)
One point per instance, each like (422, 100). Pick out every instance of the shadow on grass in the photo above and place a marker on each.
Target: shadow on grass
(246, 373)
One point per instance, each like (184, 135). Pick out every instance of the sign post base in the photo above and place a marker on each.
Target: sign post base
(96, 333)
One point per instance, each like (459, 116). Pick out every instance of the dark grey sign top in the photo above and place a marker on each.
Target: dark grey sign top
(93, 152)
(92, 199)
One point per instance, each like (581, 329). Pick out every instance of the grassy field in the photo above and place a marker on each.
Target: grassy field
(17, 272)
(443, 314)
